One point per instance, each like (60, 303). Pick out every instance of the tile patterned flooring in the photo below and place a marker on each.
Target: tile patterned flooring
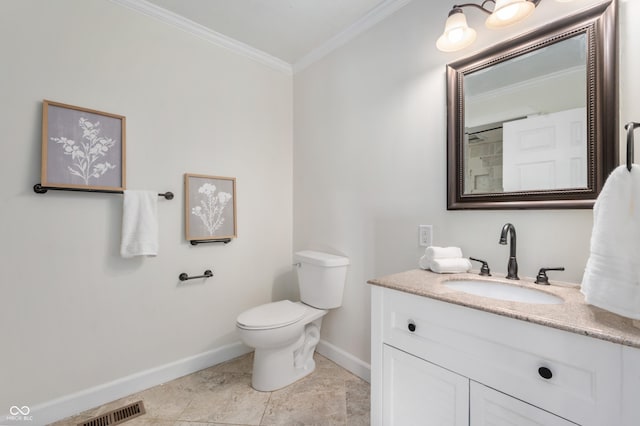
(222, 395)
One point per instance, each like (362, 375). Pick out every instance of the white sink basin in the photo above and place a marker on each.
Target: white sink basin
(502, 291)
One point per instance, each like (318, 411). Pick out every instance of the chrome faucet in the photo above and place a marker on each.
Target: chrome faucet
(512, 266)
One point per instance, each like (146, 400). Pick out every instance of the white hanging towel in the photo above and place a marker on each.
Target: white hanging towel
(139, 224)
(611, 279)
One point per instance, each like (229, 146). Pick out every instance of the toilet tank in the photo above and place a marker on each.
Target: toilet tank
(321, 278)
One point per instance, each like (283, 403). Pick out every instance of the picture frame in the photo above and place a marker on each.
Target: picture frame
(210, 207)
(82, 148)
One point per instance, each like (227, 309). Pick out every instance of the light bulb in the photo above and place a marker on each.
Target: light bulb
(507, 12)
(457, 34)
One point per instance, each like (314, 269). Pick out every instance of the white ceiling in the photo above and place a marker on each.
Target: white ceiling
(285, 29)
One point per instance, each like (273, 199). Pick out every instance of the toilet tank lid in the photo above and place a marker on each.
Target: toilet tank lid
(272, 315)
(320, 258)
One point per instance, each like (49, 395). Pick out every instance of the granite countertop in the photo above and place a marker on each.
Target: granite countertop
(574, 315)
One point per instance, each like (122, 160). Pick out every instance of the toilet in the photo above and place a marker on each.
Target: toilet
(285, 333)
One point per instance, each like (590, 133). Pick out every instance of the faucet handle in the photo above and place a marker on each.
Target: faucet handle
(542, 277)
(484, 269)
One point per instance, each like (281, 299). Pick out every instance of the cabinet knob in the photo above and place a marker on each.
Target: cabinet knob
(411, 326)
(545, 373)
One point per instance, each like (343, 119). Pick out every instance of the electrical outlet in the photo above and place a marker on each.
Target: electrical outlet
(425, 235)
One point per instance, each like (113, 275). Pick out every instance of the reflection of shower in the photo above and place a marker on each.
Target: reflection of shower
(474, 137)
(486, 134)
(483, 159)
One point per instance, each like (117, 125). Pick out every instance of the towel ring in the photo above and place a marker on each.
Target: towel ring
(630, 127)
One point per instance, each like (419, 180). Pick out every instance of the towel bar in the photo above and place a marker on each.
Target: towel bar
(630, 127)
(184, 277)
(219, 240)
(39, 189)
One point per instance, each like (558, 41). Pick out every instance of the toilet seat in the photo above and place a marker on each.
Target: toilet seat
(271, 315)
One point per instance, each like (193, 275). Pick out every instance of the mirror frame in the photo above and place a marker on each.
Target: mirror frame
(599, 23)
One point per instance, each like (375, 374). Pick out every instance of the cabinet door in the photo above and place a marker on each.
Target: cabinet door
(417, 392)
(490, 407)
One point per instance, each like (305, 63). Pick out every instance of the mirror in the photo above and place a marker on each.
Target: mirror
(532, 122)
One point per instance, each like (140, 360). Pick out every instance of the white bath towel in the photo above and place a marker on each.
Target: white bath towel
(612, 276)
(139, 224)
(450, 265)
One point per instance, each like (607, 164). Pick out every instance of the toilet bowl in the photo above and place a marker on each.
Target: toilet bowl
(285, 333)
(284, 342)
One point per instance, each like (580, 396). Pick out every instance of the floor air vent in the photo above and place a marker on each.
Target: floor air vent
(117, 416)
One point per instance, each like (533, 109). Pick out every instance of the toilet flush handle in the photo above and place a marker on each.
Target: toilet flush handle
(297, 265)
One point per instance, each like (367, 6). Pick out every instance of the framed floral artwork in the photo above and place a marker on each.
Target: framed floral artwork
(210, 207)
(82, 148)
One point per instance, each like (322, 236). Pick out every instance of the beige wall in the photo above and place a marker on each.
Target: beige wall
(370, 160)
(74, 314)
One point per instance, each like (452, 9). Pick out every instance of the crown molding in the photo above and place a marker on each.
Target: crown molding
(379, 13)
(154, 11)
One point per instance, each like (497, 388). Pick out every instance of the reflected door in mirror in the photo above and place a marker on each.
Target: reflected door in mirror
(545, 152)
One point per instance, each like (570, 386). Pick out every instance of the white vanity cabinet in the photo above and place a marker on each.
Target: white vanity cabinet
(438, 363)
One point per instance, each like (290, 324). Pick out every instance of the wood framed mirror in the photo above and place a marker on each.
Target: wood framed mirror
(533, 122)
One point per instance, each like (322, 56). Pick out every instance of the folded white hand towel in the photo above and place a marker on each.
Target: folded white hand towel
(612, 276)
(450, 265)
(433, 252)
(139, 224)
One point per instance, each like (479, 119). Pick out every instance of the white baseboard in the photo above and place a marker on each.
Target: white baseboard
(78, 402)
(345, 360)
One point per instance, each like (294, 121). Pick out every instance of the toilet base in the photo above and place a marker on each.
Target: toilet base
(276, 368)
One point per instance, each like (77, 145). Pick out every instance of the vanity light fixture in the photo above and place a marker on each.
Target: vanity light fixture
(458, 35)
